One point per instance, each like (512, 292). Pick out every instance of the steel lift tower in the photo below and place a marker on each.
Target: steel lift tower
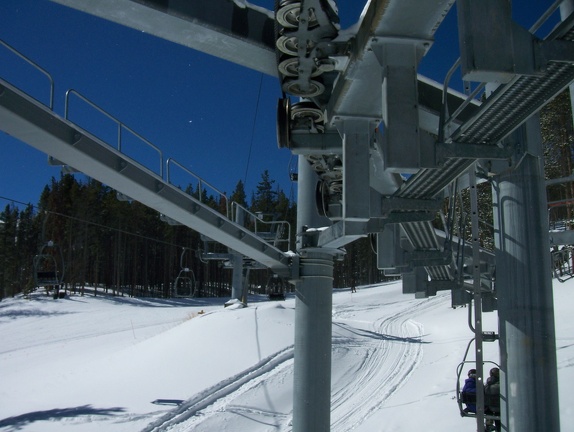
(359, 117)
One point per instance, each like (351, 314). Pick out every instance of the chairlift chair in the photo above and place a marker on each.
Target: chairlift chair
(562, 266)
(184, 284)
(48, 267)
(464, 399)
(275, 288)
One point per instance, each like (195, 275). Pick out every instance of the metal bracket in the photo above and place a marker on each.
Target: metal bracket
(294, 266)
(315, 143)
(309, 237)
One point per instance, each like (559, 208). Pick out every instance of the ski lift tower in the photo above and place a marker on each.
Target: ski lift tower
(365, 117)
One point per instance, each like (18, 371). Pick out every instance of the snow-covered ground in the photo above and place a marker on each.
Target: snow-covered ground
(98, 364)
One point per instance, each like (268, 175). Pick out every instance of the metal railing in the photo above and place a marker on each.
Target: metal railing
(121, 126)
(445, 119)
(273, 229)
(201, 183)
(37, 67)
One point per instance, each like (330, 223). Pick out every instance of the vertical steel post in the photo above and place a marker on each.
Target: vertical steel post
(529, 378)
(237, 277)
(477, 301)
(312, 368)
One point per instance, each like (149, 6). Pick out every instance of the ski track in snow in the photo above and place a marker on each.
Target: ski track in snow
(218, 398)
(392, 350)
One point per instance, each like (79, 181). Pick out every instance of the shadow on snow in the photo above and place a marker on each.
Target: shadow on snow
(19, 422)
(379, 336)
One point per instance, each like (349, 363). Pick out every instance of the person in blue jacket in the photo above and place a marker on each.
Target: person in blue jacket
(469, 392)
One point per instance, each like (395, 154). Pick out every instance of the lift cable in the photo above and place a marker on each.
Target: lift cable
(95, 224)
(253, 128)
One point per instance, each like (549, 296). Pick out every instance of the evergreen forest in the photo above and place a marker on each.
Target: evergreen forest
(91, 236)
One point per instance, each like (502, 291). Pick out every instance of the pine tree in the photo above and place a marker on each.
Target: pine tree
(238, 196)
(264, 198)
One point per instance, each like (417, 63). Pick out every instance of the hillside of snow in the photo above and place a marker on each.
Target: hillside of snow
(119, 364)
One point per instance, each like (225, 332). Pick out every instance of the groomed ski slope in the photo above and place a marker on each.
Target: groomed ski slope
(97, 364)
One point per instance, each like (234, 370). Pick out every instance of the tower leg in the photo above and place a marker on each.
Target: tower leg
(313, 309)
(312, 370)
(529, 377)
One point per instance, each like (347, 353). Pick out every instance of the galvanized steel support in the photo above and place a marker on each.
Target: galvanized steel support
(477, 300)
(237, 281)
(529, 377)
(312, 368)
(357, 137)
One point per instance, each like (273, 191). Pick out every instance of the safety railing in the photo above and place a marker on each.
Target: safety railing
(445, 119)
(272, 231)
(170, 162)
(120, 126)
(37, 67)
(201, 184)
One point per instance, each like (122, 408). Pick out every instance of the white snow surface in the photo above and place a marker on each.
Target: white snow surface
(97, 363)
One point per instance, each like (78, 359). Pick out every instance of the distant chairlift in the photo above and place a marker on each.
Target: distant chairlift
(49, 269)
(562, 263)
(275, 288)
(184, 284)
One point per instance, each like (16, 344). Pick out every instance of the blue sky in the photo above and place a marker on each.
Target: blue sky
(215, 118)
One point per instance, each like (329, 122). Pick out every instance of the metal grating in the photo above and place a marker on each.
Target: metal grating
(505, 110)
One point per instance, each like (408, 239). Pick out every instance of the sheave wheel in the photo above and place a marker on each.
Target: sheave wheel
(293, 87)
(288, 15)
(306, 109)
(290, 67)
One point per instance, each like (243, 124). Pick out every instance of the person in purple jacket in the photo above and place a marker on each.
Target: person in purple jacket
(469, 392)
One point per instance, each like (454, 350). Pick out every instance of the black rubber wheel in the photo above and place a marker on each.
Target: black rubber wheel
(283, 120)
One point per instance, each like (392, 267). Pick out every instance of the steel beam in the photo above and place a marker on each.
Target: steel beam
(242, 35)
(357, 92)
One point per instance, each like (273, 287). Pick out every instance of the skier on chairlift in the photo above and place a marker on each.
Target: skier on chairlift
(492, 400)
(469, 392)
